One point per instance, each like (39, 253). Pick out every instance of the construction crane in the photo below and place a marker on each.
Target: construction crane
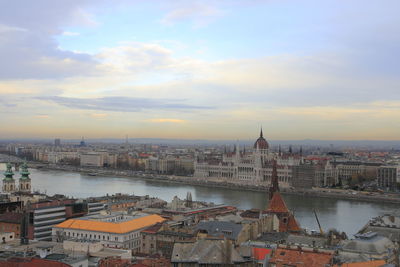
(319, 225)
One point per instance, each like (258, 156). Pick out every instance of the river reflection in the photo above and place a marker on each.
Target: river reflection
(345, 215)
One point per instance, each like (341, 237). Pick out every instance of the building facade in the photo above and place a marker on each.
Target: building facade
(115, 230)
(250, 167)
(388, 177)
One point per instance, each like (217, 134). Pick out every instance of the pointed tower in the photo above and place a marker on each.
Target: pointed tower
(189, 201)
(277, 206)
(8, 181)
(274, 181)
(25, 180)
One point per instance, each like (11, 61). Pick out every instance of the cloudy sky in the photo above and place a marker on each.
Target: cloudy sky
(206, 69)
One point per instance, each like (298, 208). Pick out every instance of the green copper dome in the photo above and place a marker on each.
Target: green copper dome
(24, 171)
(8, 174)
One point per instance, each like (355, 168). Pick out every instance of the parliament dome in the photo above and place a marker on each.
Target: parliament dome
(261, 143)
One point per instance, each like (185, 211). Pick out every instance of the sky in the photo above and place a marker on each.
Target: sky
(200, 69)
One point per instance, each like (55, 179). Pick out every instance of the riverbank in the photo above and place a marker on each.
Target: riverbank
(315, 192)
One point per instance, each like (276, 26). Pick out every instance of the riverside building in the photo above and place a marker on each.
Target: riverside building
(254, 167)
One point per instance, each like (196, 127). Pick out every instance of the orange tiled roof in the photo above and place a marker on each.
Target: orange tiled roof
(376, 263)
(300, 258)
(277, 204)
(110, 227)
(291, 226)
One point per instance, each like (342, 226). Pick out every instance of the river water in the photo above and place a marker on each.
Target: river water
(344, 215)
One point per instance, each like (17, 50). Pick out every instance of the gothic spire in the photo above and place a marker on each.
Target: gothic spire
(274, 180)
(261, 133)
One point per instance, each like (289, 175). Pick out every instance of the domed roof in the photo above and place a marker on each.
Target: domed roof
(261, 143)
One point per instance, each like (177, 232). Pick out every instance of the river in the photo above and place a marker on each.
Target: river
(344, 215)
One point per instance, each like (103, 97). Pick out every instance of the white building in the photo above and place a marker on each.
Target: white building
(250, 167)
(98, 159)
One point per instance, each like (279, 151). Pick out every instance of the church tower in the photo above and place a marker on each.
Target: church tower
(25, 181)
(277, 206)
(8, 181)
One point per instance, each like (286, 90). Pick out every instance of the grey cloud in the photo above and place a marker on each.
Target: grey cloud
(27, 45)
(122, 104)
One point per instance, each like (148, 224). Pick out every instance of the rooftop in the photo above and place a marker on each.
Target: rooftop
(216, 228)
(112, 227)
(205, 251)
(301, 257)
(368, 243)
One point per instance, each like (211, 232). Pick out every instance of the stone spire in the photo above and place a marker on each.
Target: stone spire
(274, 180)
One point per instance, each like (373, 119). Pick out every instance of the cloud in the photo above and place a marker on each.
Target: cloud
(42, 116)
(122, 104)
(134, 57)
(200, 13)
(70, 33)
(98, 115)
(27, 45)
(167, 120)
(6, 29)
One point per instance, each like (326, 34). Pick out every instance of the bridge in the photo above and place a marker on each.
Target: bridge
(15, 161)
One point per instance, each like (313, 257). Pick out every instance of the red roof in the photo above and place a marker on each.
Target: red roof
(31, 262)
(287, 222)
(290, 226)
(260, 253)
(277, 204)
(301, 258)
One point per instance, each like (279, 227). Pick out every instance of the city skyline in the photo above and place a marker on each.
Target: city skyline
(200, 69)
